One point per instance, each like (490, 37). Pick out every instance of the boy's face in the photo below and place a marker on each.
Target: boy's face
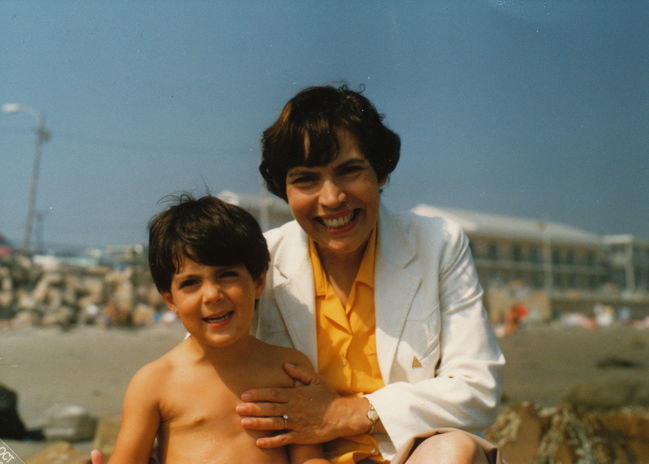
(214, 303)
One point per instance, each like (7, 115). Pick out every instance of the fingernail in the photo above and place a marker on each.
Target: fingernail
(245, 396)
(291, 364)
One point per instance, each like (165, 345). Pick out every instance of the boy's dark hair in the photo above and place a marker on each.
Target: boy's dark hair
(317, 113)
(209, 231)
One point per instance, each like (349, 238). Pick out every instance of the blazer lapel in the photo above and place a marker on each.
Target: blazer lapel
(395, 287)
(294, 291)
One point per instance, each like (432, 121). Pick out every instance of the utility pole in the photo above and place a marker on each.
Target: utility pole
(42, 136)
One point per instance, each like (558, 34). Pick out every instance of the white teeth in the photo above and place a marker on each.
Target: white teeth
(338, 222)
(216, 318)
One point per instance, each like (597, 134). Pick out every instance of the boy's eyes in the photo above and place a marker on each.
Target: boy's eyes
(228, 273)
(187, 283)
(224, 274)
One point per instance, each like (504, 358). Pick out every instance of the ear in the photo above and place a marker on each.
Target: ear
(383, 181)
(169, 301)
(260, 284)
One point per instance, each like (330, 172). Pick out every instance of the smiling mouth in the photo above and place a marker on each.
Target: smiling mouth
(220, 318)
(339, 222)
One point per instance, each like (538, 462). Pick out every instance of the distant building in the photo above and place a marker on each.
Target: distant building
(269, 211)
(542, 255)
(628, 259)
(552, 266)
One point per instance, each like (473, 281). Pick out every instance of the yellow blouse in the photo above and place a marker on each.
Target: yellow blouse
(347, 347)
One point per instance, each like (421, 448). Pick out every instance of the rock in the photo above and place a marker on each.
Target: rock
(68, 422)
(59, 453)
(629, 428)
(11, 426)
(518, 431)
(106, 434)
(142, 315)
(528, 433)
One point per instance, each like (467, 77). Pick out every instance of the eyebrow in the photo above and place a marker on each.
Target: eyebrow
(299, 171)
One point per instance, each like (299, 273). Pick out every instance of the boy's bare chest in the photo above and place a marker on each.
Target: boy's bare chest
(204, 398)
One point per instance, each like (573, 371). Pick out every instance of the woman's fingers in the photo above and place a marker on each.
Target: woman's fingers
(275, 441)
(271, 395)
(299, 373)
(261, 409)
(263, 423)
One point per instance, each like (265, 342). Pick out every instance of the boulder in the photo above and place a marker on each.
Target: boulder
(11, 426)
(106, 434)
(59, 453)
(68, 422)
(526, 432)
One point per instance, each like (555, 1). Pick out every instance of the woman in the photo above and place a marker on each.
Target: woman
(387, 306)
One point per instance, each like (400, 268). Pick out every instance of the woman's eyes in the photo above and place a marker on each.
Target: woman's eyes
(351, 170)
(304, 179)
(345, 171)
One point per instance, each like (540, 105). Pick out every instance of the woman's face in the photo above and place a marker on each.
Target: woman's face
(337, 204)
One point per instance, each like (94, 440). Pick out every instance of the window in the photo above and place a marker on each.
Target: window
(535, 255)
(556, 256)
(492, 250)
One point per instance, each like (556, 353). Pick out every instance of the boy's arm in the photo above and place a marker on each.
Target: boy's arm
(306, 454)
(140, 418)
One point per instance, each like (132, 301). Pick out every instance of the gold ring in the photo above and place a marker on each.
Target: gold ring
(285, 417)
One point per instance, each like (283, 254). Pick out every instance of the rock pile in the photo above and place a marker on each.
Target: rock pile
(63, 294)
(529, 433)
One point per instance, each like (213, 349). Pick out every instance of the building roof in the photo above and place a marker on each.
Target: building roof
(499, 226)
(625, 239)
(269, 211)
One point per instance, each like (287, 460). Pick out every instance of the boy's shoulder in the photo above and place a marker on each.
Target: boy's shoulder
(158, 370)
(283, 354)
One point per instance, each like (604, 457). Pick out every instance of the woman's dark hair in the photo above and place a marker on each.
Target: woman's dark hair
(315, 114)
(208, 231)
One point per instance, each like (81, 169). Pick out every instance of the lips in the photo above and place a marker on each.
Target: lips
(218, 319)
(338, 223)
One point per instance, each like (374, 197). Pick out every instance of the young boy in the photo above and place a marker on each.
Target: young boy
(208, 259)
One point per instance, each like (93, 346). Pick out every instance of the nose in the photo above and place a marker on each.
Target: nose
(212, 292)
(331, 194)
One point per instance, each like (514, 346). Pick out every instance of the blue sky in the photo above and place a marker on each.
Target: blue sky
(529, 108)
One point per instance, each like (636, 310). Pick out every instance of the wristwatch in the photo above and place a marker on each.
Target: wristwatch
(374, 418)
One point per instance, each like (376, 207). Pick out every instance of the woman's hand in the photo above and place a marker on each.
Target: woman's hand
(309, 413)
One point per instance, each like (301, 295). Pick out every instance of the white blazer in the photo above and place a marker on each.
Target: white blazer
(437, 353)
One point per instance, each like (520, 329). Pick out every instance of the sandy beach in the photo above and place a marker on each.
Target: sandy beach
(91, 367)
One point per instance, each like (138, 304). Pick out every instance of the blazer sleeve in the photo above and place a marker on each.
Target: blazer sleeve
(463, 389)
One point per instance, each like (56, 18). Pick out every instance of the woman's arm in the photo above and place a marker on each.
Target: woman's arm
(457, 383)
(140, 419)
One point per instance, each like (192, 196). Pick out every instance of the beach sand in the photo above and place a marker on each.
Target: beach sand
(91, 367)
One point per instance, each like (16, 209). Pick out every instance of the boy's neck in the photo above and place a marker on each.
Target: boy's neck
(222, 355)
